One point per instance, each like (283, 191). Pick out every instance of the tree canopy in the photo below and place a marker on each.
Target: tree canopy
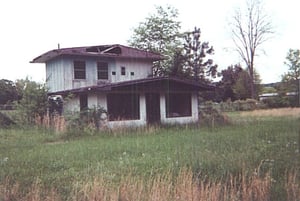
(159, 33)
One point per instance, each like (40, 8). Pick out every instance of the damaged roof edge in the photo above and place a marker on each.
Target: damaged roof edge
(116, 51)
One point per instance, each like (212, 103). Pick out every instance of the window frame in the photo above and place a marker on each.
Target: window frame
(124, 106)
(178, 105)
(79, 68)
(102, 70)
(123, 70)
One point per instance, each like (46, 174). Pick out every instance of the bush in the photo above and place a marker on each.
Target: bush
(211, 115)
(5, 121)
(87, 121)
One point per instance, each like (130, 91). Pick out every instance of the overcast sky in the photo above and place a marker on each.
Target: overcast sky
(32, 27)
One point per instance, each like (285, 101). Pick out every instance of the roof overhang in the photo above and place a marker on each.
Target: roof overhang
(147, 85)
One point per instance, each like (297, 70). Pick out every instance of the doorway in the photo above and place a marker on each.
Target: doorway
(153, 108)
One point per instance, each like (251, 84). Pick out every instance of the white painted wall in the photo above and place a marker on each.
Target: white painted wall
(179, 120)
(141, 69)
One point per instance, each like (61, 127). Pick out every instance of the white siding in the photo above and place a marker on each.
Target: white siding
(59, 75)
(60, 72)
(141, 69)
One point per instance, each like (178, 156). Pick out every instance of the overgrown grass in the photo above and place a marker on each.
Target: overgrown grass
(263, 148)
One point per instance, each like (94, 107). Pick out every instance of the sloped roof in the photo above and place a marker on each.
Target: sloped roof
(102, 51)
(151, 84)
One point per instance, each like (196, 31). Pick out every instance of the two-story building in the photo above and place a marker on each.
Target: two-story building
(119, 79)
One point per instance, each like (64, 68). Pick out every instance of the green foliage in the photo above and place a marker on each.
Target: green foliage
(232, 106)
(85, 122)
(34, 102)
(236, 84)
(8, 92)
(242, 87)
(5, 121)
(293, 62)
(195, 61)
(291, 79)
(159, 33)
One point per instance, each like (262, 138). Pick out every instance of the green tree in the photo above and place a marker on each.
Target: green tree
(159, 33)
(291, 79)
(235, 83)
(242, 87)
(250, 30)
(192, 59)
(34, 102)
(229, 79)
(195, 53)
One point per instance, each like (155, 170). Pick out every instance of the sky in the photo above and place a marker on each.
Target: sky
(32, 27)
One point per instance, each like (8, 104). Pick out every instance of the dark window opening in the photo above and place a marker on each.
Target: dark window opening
(83, 101)
(102, 70)
(79, 70)
(123, 107)
(123, 70)
(113, 73)
(178, 105)
(132, 73)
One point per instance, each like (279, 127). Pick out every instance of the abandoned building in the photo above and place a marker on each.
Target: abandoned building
(119, 79)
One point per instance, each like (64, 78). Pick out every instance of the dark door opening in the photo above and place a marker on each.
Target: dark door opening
(83, 100)
(153, 108)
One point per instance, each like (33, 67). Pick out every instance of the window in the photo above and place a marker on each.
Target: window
(123, 106)
(123, 70)
(102, 70)
(79, 70)
(113, 73)
(132, 73)
(178, 105)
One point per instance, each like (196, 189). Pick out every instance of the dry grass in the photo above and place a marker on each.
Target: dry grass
(56, 122)
(280, 112)
(183, 187)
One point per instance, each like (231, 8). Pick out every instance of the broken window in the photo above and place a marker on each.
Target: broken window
(102, 70)
(79, 70)
(123, 70)
(123, 107)
(178, 105)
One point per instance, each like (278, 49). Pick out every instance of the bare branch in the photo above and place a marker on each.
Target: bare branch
(250, 30)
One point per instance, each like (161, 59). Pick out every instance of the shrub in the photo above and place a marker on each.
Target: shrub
(87, 121)
(5, 121)
(211, 115)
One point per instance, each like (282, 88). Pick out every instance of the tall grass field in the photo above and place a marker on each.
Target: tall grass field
(255, 157)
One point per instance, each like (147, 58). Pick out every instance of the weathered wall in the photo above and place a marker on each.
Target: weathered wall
(60, 72)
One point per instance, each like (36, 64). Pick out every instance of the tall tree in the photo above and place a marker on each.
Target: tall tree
(250, 30)
(159, 33)
(195, 57)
